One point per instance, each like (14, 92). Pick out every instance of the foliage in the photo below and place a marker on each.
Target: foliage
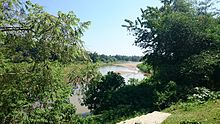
(99, 92)
(181, 41)
(136, 96)
(34, 46)
(118, 114)
(206, 67)
(202, 94)
(125, 100)
(85, 120)
(133, 81)
(182, 44)
(41, 36)
(111, 100)
(194, 112)
(105, 58)
(163, 93)
(82, 73)
(34, 93)
(146, 68)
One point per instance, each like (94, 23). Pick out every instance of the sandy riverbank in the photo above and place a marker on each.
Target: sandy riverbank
(128, 64)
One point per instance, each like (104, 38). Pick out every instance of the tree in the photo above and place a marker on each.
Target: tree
(172, 35)
(110, 58)
(46, 37)
(99, 92)
(94, 57)
(34, 45)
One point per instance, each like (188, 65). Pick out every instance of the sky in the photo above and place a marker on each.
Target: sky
(105, 35)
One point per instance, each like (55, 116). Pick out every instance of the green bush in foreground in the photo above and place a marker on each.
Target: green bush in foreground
(99, 92)
(202, 94)
(112, 101)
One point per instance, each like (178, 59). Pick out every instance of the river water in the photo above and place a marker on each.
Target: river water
(127, 70)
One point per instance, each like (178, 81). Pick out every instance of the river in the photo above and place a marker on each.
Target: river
(127, 70)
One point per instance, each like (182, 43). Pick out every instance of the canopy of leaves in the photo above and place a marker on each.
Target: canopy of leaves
(39, 35)
(175, 34)
(99, 91)
(33, 46)
(112, 58)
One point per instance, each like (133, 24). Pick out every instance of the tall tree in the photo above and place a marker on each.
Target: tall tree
(171, 35)
(34, 44)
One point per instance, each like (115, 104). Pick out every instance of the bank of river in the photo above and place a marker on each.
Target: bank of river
(127, 70)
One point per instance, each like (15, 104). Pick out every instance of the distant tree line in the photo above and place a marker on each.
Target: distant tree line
(95, 57)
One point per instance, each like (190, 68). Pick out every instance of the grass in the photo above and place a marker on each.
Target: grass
(194, 113)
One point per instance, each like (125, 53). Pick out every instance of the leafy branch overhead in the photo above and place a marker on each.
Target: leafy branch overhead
(49, 37)
(34, 46)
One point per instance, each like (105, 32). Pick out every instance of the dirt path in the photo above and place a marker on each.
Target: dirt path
(151, 118)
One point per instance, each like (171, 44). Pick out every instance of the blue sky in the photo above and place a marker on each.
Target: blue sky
(105, 35)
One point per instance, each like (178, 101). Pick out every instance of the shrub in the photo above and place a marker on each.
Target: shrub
(99, 92)
(146, 68)
(201, 94)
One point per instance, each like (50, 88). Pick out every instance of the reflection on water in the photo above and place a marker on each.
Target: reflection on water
(125, 71)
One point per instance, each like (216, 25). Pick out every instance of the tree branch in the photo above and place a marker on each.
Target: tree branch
(3, 29)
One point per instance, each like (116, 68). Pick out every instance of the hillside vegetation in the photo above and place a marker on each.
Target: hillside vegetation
(194, 113)
(42, 61)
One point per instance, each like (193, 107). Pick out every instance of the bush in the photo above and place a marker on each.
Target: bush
(146, 68)
(202, 94)
(34, 93)
(112, 100)
(202, 70)
(164, 94)
(99, 92)
(138, 96)
(120, 113)
(133, 81)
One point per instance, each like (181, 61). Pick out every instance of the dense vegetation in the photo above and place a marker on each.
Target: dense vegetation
(200, 108)
(194, 113)
(110, 58)
(182, 43)
(35, 45)
(182, 46)
(111, 100)
(144, 67)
